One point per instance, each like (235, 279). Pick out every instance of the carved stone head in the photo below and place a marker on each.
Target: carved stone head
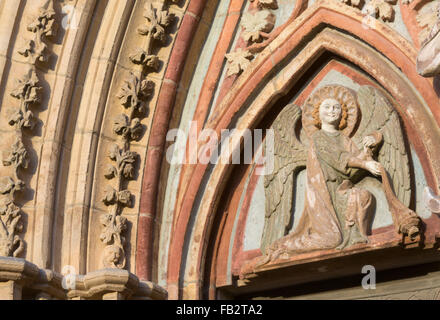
(329, 98)
(112, 256)
(330, 112)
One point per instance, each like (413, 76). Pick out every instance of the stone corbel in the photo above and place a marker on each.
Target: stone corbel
(15, 274)
(49, 286)
(114, 284)
(149, 291)
(27, 92)
(18, 276)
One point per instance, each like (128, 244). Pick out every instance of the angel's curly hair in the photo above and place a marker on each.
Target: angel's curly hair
(329, 92)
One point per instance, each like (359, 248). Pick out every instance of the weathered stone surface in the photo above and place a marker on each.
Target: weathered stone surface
(90, 90)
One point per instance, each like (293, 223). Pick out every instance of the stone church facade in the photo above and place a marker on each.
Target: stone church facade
(135, 160)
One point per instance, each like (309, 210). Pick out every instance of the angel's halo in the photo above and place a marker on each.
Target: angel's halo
(346, 98)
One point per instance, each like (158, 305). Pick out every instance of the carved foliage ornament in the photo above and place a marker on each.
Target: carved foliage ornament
(128, 129)
(269, 4)
(27, 91)
(125, 161)
(134, 92)
(133, 95)
(10, 216)
(353, 3)
(146, 60)
(382, 9)
(118, 198)
(257, 25)
(158, 21)
(238, 61)
(43, 26)
(17, 156)
(155, 30)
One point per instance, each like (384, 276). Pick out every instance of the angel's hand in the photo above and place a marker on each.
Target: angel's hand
(369, 142)
(374, 167)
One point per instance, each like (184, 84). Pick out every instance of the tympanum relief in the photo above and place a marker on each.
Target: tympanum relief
(340, 137)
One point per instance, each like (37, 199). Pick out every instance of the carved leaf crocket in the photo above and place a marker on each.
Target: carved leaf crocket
(238, 61)
(381, 8)
(269, 4)
(257, 25)
(135, 92)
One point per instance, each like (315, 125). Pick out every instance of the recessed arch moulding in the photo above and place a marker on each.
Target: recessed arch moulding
(207, 226)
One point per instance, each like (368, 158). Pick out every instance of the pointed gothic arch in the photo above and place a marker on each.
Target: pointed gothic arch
(324, 26)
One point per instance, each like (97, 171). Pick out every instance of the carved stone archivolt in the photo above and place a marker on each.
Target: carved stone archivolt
(133, 96)
(105, 197)
(27, 92)
(259, 22)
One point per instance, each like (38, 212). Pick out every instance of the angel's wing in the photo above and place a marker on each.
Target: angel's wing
(290, 155)
(379, 115)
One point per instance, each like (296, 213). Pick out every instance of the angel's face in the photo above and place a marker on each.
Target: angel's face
(330, 112)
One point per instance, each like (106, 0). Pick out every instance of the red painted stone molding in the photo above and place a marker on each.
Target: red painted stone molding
(156, 143)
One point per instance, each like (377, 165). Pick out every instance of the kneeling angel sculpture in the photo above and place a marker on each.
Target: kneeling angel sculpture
(338, 140)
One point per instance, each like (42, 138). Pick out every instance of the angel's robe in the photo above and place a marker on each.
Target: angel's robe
(335, 211)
